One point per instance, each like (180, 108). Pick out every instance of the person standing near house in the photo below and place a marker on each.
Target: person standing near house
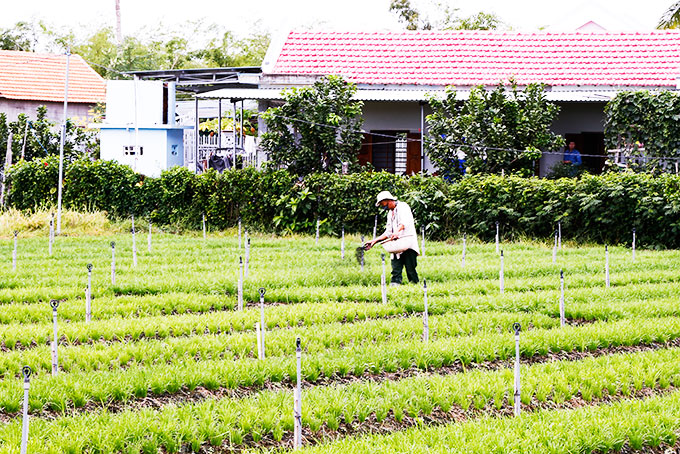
(402, 235)
(572, 155)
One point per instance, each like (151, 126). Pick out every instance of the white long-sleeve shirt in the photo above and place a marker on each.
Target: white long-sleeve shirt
(402, 215)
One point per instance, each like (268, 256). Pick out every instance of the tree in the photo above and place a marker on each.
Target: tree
(671, 18)
(17, 37)
(447, 19)
(317, 129)
(492, 131)
(38, 138)
(409, 15)
(647, 125)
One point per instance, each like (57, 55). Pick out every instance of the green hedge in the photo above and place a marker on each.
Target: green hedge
(594, 208)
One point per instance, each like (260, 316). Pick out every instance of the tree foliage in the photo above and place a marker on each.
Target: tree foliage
(644, 124)
(317, 129)
(192, 45)
(671, 18)
(492, 131)
(447, 18)
(16, 38)
(38, 138)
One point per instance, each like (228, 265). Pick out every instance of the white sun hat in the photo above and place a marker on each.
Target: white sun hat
(384, 195)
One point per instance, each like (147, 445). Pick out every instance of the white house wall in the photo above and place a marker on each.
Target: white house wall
(153, 141)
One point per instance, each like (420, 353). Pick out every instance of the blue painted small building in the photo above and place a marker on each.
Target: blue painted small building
(140, 128)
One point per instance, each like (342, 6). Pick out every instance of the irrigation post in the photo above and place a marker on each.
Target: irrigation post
(462, 261)
(134, 242)
(113, 262)
(262, 324)
(297, 400)
(554, 251)
(501, 275)
(148, 240)
(245, 273)
(259, 342)
(342, 244)
(14, 252)
(606, 265)
(517, 396)
(88, 295)
(55, 355)
(375, 227)
(559, 235)
(51, 237)
(426, 322)
(317, 231)
(26, 372)
(562, 321)
(422, 241)
(497, 238)
(239, 229)
(383, 280)
(240, 284)
(633, 243)
(204, 232)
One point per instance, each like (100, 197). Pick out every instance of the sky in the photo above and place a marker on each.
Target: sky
(278, 16)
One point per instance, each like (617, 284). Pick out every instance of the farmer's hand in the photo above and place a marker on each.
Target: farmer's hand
(369, 245)
(394, 236)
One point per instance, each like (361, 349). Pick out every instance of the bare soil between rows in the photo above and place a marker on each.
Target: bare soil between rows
(199, 394)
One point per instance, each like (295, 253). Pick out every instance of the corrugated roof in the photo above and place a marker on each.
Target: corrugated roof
(41, 77)
(404, 94)
(465, 58)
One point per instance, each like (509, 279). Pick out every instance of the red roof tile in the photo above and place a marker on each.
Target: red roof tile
(41, 77)
(480, 57)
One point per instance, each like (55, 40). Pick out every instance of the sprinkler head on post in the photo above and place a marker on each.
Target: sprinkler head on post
(89, 267)
(54, 304)
(298, 348)
(26, 371)
(425, 283)
(113, 244)
(517, 328)
(561, 274)
(16, 232)
(262, 291)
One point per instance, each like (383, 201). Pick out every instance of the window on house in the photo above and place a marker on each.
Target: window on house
(389, 151)
(130, 150)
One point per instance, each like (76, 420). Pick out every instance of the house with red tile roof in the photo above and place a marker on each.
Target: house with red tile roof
(31, 79)
(396, 72)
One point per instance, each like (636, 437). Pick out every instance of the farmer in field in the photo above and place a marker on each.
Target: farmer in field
(401, 236)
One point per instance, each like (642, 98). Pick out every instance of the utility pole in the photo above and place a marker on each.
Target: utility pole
(61, 145)
(119, 34)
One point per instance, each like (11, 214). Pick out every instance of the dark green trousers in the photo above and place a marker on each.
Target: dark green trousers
(408, 259)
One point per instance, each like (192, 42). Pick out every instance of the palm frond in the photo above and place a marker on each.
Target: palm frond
(671, 18)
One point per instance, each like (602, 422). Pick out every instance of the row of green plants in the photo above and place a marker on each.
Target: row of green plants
(78, 388)
(646, 301)
(594, 208)
(268, 413)
(211, 269)
(280, 342)
(630, 425)
(24, 306)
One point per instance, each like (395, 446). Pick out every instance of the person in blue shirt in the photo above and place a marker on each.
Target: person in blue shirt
(572, 155)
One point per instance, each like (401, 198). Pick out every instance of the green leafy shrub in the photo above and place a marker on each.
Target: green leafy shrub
(592, 208)
(102, 186)
(33, 183)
